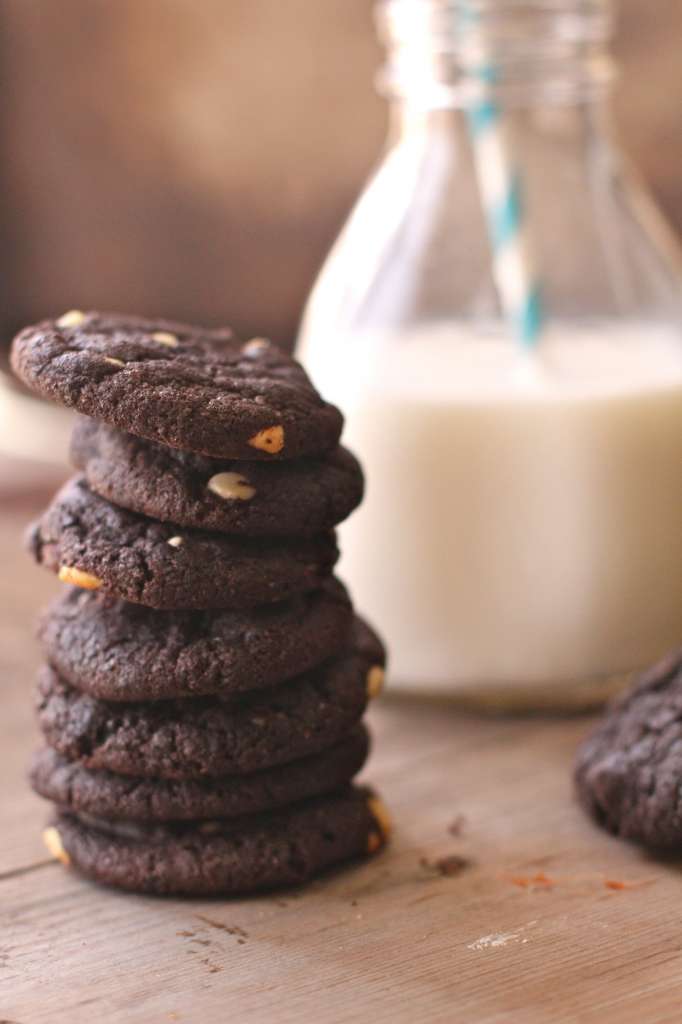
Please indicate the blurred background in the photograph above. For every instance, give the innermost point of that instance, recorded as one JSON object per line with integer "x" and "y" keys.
{"x": 195, "y": 158}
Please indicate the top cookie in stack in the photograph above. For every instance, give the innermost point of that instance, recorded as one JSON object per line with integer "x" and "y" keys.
{"x": 202, "y": 391}
{"x": 206, "y": 672}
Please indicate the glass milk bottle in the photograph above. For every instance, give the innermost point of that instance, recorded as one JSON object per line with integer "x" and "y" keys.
{"x": 500, "y": 323}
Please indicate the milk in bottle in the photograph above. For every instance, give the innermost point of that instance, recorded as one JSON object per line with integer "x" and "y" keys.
{"x": 521, "y": 540}
{"x": 523, "y": 521}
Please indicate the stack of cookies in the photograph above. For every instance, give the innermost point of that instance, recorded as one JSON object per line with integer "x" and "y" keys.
{"x": 206, "y": 675}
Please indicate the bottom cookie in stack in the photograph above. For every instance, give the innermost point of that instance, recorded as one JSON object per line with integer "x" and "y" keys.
{"x": 207, "y": 795}
{"x": 223, "y": 856}
{"x": 219, "y": 836}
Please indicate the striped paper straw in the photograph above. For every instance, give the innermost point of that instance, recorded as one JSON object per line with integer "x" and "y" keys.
{"x": 501, "y": 188}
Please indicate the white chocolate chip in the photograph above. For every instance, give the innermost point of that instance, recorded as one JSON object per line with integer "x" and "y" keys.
{"x": 231, "y": 485}
{"x": 255, "y": 346}
{"x": 175, "y": 542}
{"x": 165, "y": 338}
{"x": 113, "y": 362}
{"x": 375, "y": 681}
{"x": 270, "y": 439}
{"x": 53, "y": 842}
{"x": 85, "y": 580}
{"x": 73, "y": 318}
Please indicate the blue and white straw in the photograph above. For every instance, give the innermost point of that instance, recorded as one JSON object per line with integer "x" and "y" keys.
{"x": 500, "y": 185}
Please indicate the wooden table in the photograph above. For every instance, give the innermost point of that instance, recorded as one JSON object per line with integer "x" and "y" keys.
{"x": 549, "y": 920}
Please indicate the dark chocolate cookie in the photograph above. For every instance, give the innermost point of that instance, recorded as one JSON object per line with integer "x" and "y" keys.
{"x": 119, "y": 651}
{"x": 102, "y": 793}
{"x": 284, "y": 847}
{"x": 297, "y": 497}
{"x": 202, "y": 737}
{"x": 95, "y": 545}
{"x": 629, "y": 771}
{"x": 188, "y": 387}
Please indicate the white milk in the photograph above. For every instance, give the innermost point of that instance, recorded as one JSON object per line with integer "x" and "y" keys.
{"x": 523, "y": 522}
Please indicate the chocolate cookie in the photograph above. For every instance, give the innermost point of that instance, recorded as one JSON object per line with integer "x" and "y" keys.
{"x": 209, "y": 737}
{"x": 188, "y": 387}
{"x": 119, "y": 651}
{"x": 291, "y": 498}
{"x": 110, "y": 796}
{"x": 629, "y": 771}
{"x": 95, "y": 545}
{"x": 209, "y": 858}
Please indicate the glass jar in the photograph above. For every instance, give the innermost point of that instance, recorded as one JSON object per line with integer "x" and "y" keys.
{"x": 520, "y": 542}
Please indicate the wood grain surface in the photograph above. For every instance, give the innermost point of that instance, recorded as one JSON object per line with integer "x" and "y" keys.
{"x": 496, "y": 902}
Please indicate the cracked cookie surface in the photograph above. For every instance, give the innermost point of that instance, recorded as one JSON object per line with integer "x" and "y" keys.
{"x": 119, "y": 651}
{"x": 97, "y": 545}
{"x": 289, "y": 498}
{"x": 81, "y": 790}
{"x": 283, "y": 847}
{"x": 201, "y": 737}
{"x": 628, "y": 772}
{"x": 188, "y": 387}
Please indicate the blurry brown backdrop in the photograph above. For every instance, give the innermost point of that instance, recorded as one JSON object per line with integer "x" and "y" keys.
{"x": 194, "y": 158}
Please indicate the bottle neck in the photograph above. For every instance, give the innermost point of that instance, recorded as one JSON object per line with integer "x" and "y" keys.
{"x": 445, "y": 54}
{"x": 537, "y": 72}
{"x": 585, "y": 123}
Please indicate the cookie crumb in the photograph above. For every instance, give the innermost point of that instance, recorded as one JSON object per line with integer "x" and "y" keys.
{"x": 623, "y": 886}
{"x": 448, "y": 867}
{"x": 452, "y": 865}
{"x": 537, "y": 881}
{"x": 231, "y": 929}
